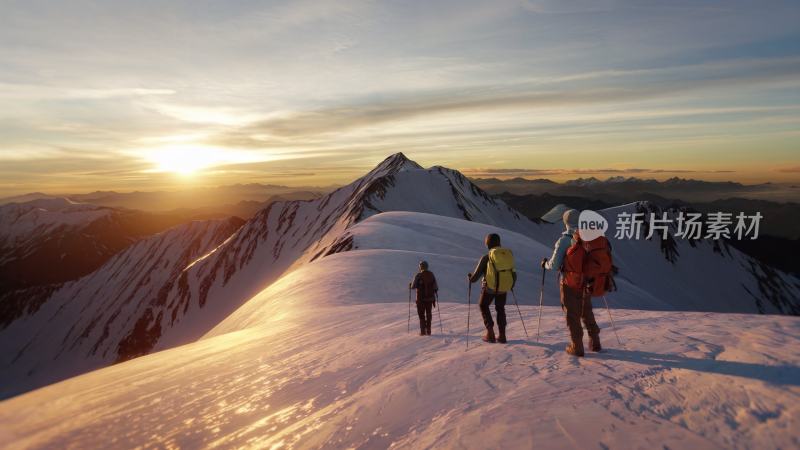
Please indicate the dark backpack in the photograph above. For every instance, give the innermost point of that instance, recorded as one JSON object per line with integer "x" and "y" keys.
{"x": 426, "y": 286}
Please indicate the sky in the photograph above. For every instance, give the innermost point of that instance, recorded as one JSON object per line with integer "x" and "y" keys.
{"x": 146, "y": 95}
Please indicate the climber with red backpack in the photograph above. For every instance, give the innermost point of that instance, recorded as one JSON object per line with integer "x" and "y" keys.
{"x": 425, "y": 284}
{"x": 586, "y": 272}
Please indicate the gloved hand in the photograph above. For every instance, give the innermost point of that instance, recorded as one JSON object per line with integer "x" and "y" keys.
{"x": 544, "y": 263}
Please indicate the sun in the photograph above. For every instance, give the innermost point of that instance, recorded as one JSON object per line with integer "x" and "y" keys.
{"x": 191, "y": 161}
{"x": 186, "y": 161}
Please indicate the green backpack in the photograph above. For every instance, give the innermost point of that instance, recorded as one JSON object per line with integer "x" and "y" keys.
{"x": 500, "y": 270}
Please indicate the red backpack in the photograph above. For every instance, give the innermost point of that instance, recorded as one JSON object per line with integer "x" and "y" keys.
{"x": 588, "y": 265}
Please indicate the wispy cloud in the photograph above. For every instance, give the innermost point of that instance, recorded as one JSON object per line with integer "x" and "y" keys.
{"x": 23, "y": 91}
{"x": 335, "y": 86}
{"x": 489, "y": 99}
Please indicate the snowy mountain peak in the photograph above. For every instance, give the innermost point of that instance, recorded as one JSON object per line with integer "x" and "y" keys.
{"x": 393, "y": 164}
{"x": 54, "y": 203}
{"x": 591, "y": 181}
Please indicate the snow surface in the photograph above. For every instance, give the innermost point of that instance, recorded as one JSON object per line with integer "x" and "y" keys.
{"x": 556, "y": 213}
{"x": 321, "y": 359}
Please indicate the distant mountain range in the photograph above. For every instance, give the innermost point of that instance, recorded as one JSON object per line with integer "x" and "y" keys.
{"x": 237, "y": 199}
{"x": 616, "y": 190}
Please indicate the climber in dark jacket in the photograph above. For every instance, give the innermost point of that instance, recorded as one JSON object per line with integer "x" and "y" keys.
{"x": 426, "y": 287}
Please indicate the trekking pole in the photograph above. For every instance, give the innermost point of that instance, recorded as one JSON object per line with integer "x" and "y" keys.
{"x": 520, "y": 314}
{"x": 541, "y": 302}
{"x": 409, "y": 311}
{"x": 612, "y": 320}
{"x": 439, "y": 310}
{"x": 469, "y": 304}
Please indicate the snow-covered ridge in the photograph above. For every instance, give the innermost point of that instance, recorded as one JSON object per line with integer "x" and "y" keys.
{"x": 48, "y": 241}
{"x": 102, "y": 318}
{"x": 21, "y": 223}
{"x": 388, "y": 246}
{"x": 286, "y": 235}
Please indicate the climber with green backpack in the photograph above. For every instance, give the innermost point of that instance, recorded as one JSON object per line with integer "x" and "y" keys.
{"x": 499, "y": 277}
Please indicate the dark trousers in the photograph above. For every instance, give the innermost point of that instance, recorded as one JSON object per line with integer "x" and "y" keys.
{"x": 578, "y": 305}
{"x": 425, "y": 312}
{"x": 499, "y": 300}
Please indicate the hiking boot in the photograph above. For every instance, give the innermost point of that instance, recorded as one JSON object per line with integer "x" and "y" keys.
{"x": 575, "y": 350}
{"x": 594, "y": 342}
{"x": 489, "y": 336}
{"x": 501, "y": 338}
{"x": 428, "y": 331}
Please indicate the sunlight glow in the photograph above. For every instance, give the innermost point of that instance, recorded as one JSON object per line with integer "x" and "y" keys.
{"x": 188, "y": 160}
